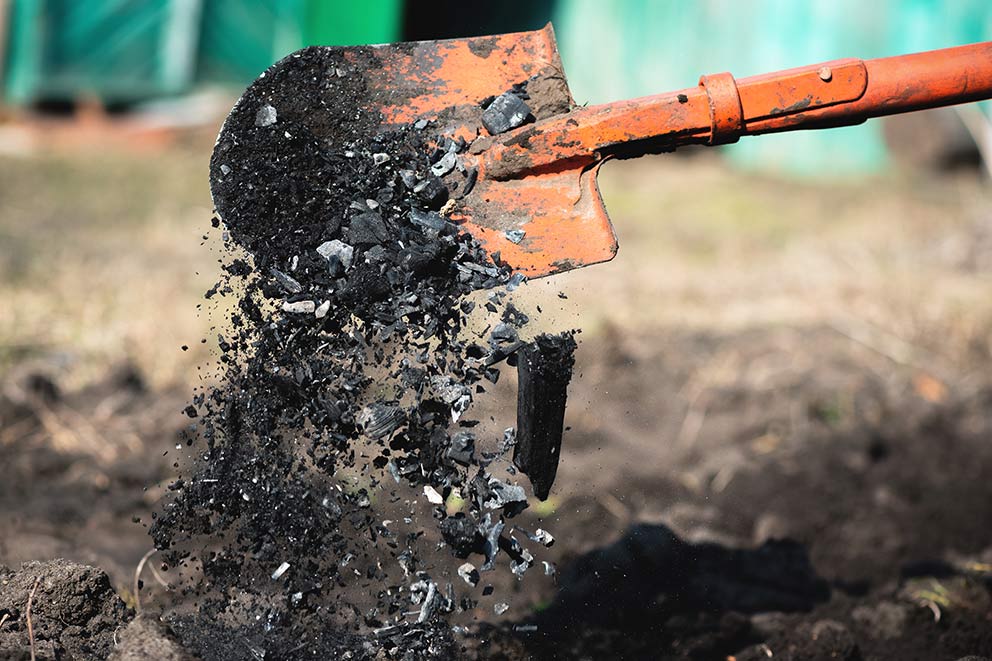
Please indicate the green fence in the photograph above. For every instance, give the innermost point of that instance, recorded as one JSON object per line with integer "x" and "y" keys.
{"x": 128, "y": 50}
{"x": 628, "y": 48}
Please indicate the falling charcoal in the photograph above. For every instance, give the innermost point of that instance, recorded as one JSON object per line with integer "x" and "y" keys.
{"x": 342, "y": 429}
{"x": 544, "y": 370}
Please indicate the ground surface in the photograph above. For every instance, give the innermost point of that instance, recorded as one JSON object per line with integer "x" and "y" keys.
{"x": 765, "y": 359}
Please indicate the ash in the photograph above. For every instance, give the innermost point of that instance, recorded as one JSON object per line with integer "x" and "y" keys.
{"x": 322, "y": 465}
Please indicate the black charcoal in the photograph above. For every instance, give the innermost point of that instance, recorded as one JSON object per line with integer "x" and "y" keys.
{"x": 266, "y": 116}
{"x": 432, "y": 192}
{"x": 462, "y": 535}
{"x": 503, "y": 334}
{"x": 462, "y": 447}
{"x": 515, "y": 236}
{"x": 336, "y": 430}
{"x": 286, "y": 282}
{"x": 444, "y": 165}
{"x": 338, "y": 250}
{"x": 469, "y": 573}
{"x": 429, "y": 219}
{"x": 508, "y": 497}
{"x": 380, "y": 420}
{"x": 506, "y": 112}
{"x": 367, "y": 229}
{"x": 471, "y": 177}
{"x": 540, "y": 536}
{"x": 544, "y": 371}
{"x": 409, "y": 178}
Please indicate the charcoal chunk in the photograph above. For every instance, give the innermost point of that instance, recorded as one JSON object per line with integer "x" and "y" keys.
{"x": 431, "y": 192}
{"x": 508, "y": 497}
{"x": 428, "y": 220}
{"x": 506, "y": 112}
{"x": 515, "y": 236}
{"x": 339, "y": 250}
{"x": 368, "y": 228}
{"x": 444, "y": 165}
{"x": 381, "y": 420}
{"x": 462, "y": 535}
{"x": 287, "y": 282}
{"x": 462, "y": 447}
{"x": 544, "y": 370}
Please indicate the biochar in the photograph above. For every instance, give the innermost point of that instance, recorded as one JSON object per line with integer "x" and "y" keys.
{"x": 341, "y": 422}
{"x": 544, "y": 369}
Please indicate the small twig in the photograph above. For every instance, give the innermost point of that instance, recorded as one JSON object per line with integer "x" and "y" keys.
{"x": 692, "y": 423}
{"x": 697, "y": 392}
{"x": 614, "y": 506}
{"x": 978, "y": 125}
{"x": 28, "y": 616}
{"x": 3, "y": 619}
{"x": 881, "y": 342}
{"x": 137, "y": 579}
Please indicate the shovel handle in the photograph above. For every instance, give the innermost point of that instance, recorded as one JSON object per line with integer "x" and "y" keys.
{"x": 847, "y": 92}
{"x": 722, "y": 109}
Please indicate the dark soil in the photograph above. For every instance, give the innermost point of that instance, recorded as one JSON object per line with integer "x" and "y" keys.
{"x": 75, "y": 612}
{"x": 888, "y": 501}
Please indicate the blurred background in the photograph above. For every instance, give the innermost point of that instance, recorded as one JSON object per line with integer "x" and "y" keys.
{"x": 795, "y": 339}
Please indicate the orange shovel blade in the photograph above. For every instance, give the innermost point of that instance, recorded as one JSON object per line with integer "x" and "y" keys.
{"x": 561, "y": 215}
{"x": 540, "y": 224}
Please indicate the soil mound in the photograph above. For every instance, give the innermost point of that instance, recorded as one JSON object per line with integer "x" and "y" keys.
{"x": 74, "y": 611}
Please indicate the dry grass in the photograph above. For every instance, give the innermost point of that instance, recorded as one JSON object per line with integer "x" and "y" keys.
{"x": 99, "y": 255}
{"x": 101, "y": 259}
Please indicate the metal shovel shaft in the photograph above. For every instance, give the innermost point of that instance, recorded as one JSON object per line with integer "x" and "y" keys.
{"x": 721, "y": 109}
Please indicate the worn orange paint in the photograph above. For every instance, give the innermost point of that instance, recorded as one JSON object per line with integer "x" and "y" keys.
{"x": 848, "y": 92}
{"x": 426, "y": 78}
{"x": 541, "y": 178}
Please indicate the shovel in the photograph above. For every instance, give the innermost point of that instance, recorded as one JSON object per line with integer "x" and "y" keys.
{"x": 526, "y": 183}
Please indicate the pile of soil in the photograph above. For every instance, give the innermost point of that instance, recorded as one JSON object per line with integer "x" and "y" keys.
{"x": 74, "y": 612}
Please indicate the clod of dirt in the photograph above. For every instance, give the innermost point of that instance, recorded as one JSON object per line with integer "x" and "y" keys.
{"x": 144, "y": 639}
{"x": 825, "y": 639}
{"x": 74, "y": 611}
{"x": 885, "y": 620}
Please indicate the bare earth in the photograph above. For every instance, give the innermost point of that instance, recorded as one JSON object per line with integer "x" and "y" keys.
{"x": 766, "y": 359}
